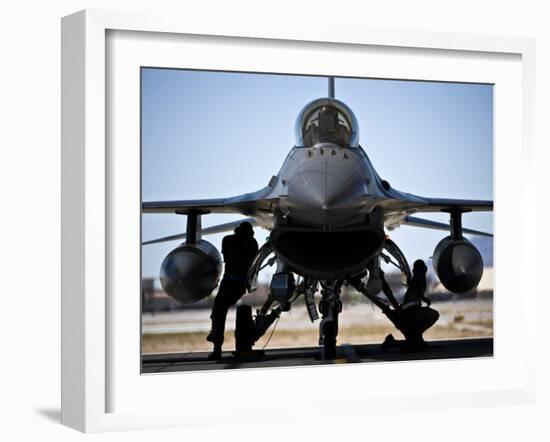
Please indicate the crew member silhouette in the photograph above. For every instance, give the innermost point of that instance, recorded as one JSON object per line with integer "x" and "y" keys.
{"x": 413, "y": 319}
{"x": 416, "y": 287}
{"x": 238, "y": 252}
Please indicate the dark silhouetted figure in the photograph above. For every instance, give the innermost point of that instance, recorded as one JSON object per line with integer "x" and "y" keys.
{"x": 238, "y": 252}
{"x": 416, "y": 287}
{"x": 413, "y": 319}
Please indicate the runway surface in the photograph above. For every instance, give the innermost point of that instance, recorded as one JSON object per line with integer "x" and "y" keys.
{"x": 346, "y": 353}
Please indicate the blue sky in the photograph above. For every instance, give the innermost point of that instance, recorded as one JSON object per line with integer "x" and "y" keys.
{"x": 218, "y": 134}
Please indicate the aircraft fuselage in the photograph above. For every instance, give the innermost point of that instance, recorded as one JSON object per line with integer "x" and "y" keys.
{"x": 329, "y": 226}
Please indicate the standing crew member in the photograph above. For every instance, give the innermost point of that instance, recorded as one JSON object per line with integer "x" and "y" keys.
{"x": 238, "y": 252}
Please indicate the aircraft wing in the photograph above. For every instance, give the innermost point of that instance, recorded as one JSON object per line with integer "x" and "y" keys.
{"x": 400, "y": 205}
{"x": 444, "y": 204}
{"x": 220, "y": 228}
{"x": 429, "y": 224}
{"x": 395, "y": 201}
{"x": 216, "y": 205}
{"x": 246, "y": 204}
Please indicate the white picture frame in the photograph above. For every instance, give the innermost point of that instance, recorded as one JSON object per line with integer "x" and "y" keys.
{"x": 89, "y": 375}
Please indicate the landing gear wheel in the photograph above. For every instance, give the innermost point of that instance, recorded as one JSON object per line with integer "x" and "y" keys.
{"x": 330, "y": 306}
{"x": 329, "y": 340}
{"x": 244, "y": 329}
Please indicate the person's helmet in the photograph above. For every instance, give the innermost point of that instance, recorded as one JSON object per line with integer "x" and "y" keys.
{"x": 245, "y": 229}
{"x": 419, "y": 266}
{"x": 326, "y": 120}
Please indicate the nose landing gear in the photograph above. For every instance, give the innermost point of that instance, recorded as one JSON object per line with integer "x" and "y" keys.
{"x": 330, "y": 307}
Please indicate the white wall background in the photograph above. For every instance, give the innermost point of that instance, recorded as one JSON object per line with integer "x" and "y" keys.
{"x": 30, "y": 214}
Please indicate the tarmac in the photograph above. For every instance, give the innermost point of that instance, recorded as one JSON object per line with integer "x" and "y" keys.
{"x": 304, "y": 356}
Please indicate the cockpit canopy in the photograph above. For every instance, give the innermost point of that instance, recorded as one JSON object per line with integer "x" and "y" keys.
{"x": 327, "y": 120}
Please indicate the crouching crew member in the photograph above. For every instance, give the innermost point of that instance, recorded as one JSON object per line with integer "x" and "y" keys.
{"x": 413, "y": 319}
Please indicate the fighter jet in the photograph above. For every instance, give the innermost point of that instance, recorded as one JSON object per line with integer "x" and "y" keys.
{"x": 328, "y": 212}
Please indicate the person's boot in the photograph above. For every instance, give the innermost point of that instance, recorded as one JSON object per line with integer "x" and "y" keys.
{"x": 388, "y": 343}
{"x": 216, "y": 354}
{"x": 211, "y": 337}
{"x": 415, "y": 343}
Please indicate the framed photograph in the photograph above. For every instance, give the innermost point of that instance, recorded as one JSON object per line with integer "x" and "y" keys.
{"x": 291, "y": 207}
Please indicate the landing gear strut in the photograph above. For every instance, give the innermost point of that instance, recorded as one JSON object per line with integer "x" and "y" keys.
{"x": 411, "y": 320}
{"x": 330, "y": 307}
{"x": 284, "y": 290}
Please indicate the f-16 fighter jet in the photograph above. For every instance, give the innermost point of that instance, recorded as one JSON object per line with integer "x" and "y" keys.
{"x": 328, "y": 212}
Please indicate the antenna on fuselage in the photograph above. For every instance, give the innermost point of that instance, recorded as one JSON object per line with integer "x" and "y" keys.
{"x": 331, "y": 87}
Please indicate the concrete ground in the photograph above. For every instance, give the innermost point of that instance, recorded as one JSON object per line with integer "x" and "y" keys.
{"x": 346, "y": 353}
{"x": 361, "y": 323}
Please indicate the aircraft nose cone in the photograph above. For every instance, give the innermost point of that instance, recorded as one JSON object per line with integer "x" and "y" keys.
{"x": 325, "y": 192}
